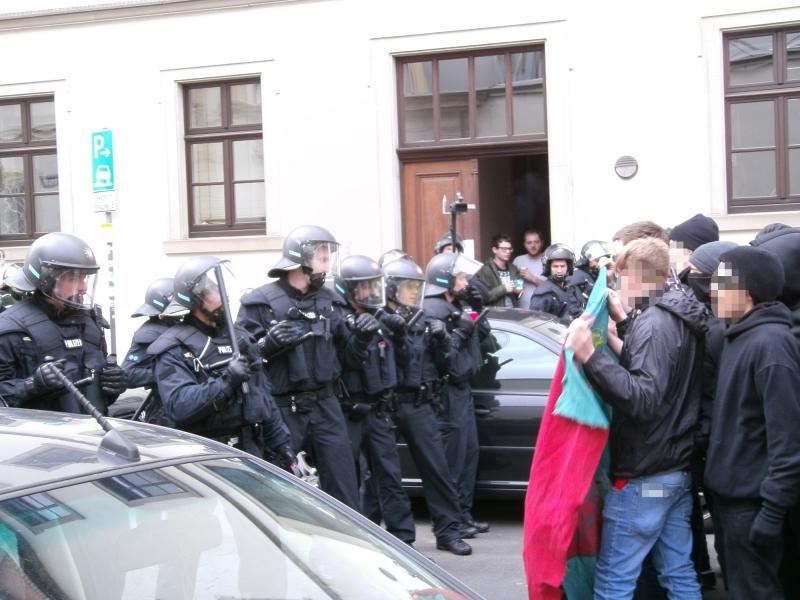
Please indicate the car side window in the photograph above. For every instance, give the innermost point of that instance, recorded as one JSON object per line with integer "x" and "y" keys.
{"x": 514, "y": 362}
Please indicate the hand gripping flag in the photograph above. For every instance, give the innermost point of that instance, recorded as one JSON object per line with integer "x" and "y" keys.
{"x": 569, "y": 475}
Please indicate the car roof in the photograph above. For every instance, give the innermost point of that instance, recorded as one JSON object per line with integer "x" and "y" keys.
{"x": 40, "y": 448}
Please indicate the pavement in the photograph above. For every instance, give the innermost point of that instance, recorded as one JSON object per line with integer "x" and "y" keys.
{"x": 494, "y": 570}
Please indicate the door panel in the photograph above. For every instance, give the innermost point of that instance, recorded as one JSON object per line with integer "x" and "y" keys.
{"x": 424, "y": 184}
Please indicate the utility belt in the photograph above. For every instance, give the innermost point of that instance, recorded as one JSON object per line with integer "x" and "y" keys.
{"x": 303, "y": 402}
{"x": 358, "y": 406}
{"x": 424, "y": 394}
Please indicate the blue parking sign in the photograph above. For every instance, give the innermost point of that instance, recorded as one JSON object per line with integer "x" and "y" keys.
{"x": 102, "y": 161}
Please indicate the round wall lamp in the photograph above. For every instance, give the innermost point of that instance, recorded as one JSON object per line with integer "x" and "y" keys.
{"x": 626, "y": 167}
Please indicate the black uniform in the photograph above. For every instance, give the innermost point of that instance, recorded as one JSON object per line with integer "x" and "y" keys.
{"x": 566, "y": 302}
{"x": 203, "y": 401}
{"x": 583, "y": 281}
{"x": 140, "y": 367}
{"x": 459, "y": 428}
{"x": 367, "y": 403}
{"x": 302, "y": 377}
{"x": 32, "y": 330}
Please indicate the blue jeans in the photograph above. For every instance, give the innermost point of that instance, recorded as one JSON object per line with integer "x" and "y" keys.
{"x": 649, "y": 513}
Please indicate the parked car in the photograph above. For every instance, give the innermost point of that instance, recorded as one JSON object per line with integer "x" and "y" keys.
{"x": 186, "y": 518}
{"x": 510, "y": 393}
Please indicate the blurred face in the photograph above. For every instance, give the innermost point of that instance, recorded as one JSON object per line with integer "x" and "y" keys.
{"x": 461, "y": 282}
{"x": 363, "y": 291}
{"x": 321, "y": 260}
{"x": 212, "y": 300}
{"x": 636, "y": 287}
{"x": 533, "y": 244}
{"x": 678, "y": 256}
{"x": 558, "y": 267}
{"x": 729, "y": 299}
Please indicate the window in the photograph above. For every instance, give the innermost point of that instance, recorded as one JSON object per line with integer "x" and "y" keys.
{"x": 762, "y": 98}
{"x": 225, "y": 158}
{"x": 487, "y": 96}
{"x": 29, "y": 204}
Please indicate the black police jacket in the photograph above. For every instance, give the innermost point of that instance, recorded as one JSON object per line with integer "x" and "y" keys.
{"x": 378, "y": 371}
{"x": 583, "y": 281}
{"x": 138, "y": 364}
{"x": 754, "y": 449}
{"x": 203, "y": 401}
{"x": 313, "y": 363}
{"x": 656, "y": 387}
{"x": 423, "y": 360}
{"x": 464, "y": 357}
{"x": 32, "y": 330}
{"x": 565, "y": 303}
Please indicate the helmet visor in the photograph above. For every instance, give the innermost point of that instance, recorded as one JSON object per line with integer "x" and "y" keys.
{"x": 410, "y": 292}
{"x": 466, "y": 265}
{"x": 75, "y": 287}
{"x": 207, "y": 289}
{"x": 367, "y": 292}
{"x": 321, "y": 257}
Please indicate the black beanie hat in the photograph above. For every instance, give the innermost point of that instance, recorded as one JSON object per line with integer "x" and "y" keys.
{"x": 760, "y": 272}
{"x": 695, "y": 232}
{"x": 705, "y": 258}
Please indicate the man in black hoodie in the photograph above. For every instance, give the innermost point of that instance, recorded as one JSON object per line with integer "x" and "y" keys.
{"x": 655, "y": 393}
{"x": 753, "y": 462}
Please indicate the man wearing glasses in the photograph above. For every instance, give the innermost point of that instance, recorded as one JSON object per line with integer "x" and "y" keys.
{"x": 500, "y": 275}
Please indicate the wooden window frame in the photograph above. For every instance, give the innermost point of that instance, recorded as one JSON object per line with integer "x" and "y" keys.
{"x": 226, "y": 133}
{"x": 472, "y": 140}
{"x": 27, "y": 149}
{"x": 780, "y": 90}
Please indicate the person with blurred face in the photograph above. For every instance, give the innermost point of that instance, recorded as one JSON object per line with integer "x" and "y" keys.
{"x": 685, "y": 238}
{"x": 753, "y": 461}
{"x": 655, "y": 393}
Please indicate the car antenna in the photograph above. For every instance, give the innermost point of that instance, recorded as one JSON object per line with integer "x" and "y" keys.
{"x": 113, "y": 441}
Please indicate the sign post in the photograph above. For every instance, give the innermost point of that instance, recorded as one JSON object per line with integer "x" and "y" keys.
{"x": 105, "y": 200}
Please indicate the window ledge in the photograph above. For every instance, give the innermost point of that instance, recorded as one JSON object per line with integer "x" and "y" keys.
{"x": 16, "y": 253}
{"x": 756, "y": 221}
{"x": 219, "y": 245}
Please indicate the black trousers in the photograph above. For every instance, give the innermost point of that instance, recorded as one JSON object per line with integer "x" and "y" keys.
{"x": 323, "y": 432}
{"x": 374, "y": 437}
{"x": 460, "y": 435}
{"x": 420, "y": 429}
{"x": 751, "y": 572}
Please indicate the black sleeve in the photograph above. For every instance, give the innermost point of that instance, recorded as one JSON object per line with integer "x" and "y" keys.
{"x": 139, "y": 366}
{"x": 16, "y": 364}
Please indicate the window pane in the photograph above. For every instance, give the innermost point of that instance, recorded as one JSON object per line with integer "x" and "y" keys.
{"x": 249, "y": 200}
{"x": 248, "y": 160}
{"x": 10, "y": 123}
{"x": 43, "y": 120}
{"x": 753, "y": 174}
{"x": 45, "y": 173}
{"x": 794, "y": 172}
{"x": 418, "y": 93}
{"x": 793, "y": 116}
{"x": 490, "y": 91}
{"x": 246, "y": 104}
{"x": 454, "y": 98}
{"x": 12, "y": 175}
{"x": 793, "y": 56}
{"x": 47, "y": 213}
{"x": 752, "y": 125}
{"x": 205, "y": 107}
{"x": 527, "y": 84}
{"x": 750, "y": 60}
{"x": 208, "y": 204}
{"x": 207, "y": 164}
{"x": 12, "y": 216}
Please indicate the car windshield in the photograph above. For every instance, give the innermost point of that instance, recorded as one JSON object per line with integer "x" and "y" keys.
{"x": 223, "y": 528}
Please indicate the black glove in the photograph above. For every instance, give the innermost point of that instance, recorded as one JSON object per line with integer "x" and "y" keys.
{"x": 394, "y": 322}
{"x": 238, "y": 370}
{"x": 113, "y": 379}
{"x": 365, "y": 326}
{"x": 465, "y": 325}
{"x": 291, "y": 461}
{"x": 45, "y": 379}
{"x": 280, "y": 335}
{"x": 438, "y": 330}
{"x": 472, "y": 296}
{"x": 767, "y": 528}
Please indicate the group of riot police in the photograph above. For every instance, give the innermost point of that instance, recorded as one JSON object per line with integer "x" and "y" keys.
{"x": 332, "y": 371}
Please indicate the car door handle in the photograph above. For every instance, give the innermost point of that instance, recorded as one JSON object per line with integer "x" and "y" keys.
{"x": 483, "y": 412}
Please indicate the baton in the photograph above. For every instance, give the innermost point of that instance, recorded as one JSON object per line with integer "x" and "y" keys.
{"x": 229, "y": 320}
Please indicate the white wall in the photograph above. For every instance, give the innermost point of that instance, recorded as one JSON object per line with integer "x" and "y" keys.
{"x": 622, "y": 78}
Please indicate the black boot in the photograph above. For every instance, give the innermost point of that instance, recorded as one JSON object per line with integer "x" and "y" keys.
{"x": 480, "y": 526}
{"x": 456, "y": 546}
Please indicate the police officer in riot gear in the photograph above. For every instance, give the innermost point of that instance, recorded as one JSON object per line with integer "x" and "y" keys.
{"x": 594, "y": 255}
{"x": 420, "y": 366}
{"x": 367, "y": 394}
{"x": 204, "y": 386}
{"x": 446, "y": 276}
{"x": 57, "y": 321}
{"x": 555, "y": 295}
{"x": 138, "y": 364}
{"x": 302, "y": 336}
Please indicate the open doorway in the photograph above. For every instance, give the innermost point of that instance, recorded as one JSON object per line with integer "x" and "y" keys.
{"x": 514, "y": 196}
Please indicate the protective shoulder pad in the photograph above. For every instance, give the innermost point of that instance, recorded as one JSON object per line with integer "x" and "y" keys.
{"x": 9, "y": 322}
{"x": 149, "y": 332}
{"x": 331, "y": 296}
{"x": 261, "y": 295}
{"x": 438, "y": 308}
{"x": 174, "y": 336}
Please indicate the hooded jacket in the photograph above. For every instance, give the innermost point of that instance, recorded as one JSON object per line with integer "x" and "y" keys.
{"x": 754, "y": 449}
{"x": 655, "y": 389}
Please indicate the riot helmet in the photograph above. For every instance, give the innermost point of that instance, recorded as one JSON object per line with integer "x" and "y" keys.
{"x": 394, "y": 254}
{"x": 594, "y": 250}
{"x": 558, "y": 252}
{"x": 405, "y": 282}
{"x": 62, "y": 267}
{"x": 360, "y": 281}
{"x": 311, "y": 247}
{"x": 156, "y": 299}
{"x": 447, "y": 240}
{"x": 196, "y": 288}
{"x": 444, "y": 270}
